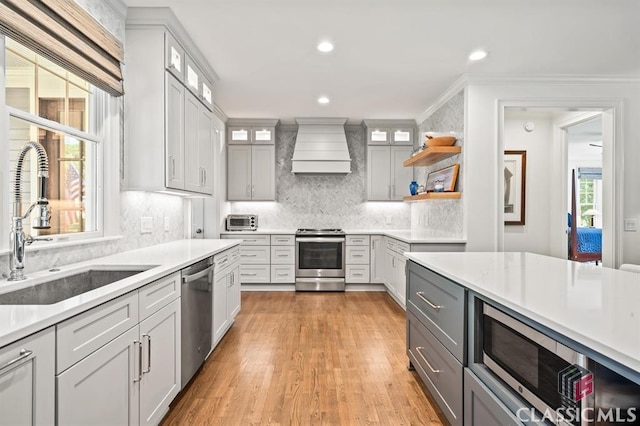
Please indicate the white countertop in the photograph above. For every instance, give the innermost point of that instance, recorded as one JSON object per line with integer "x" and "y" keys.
{"x": 405, "y": 235}
{"x": 22, "y": 320}
{"x": 592, "y": 305}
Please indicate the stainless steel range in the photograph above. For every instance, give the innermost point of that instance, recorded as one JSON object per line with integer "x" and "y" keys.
{"x": 320, "y": 259}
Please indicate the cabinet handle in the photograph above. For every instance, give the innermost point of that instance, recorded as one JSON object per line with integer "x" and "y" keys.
{"x": 357, "y": 255}
{"x": 283, "y": 241}
{"x": 253, "y": 274}
{"x": 148, "y": 370}
{"x": 253, "y": 191}
{"x": 137, "y": 345}
{"x": 248, "y": 191}
{"x": 204, "y": 176}
{"x": 394, "y": 191}
{"x": 283, "y": 255}
{"x": 357, "y": 275}
{"x": 24, "y": 353}
{"x": 389, "y": 191}
{"x": 173, "y": 166}
{"x": 249, "y": 255}
{"x": 421, "y": 296}
{"x": 283, "y": 274}
{"x": 419, "y": 350}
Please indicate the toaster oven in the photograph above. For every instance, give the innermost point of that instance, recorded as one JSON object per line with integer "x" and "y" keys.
{"x": 242, "y": 222}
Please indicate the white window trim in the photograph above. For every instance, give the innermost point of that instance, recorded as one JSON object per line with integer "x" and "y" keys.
{"x": 106, "y": 137}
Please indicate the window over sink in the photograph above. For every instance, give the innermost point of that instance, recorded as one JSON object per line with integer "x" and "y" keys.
{"x": 48, "y": 104}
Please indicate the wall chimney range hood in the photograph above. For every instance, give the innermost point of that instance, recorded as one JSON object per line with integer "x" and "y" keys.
{"x": 321, "y": 147}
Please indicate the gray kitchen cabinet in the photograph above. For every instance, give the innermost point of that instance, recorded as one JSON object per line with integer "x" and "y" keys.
{"x": 103, "y": 387}
{"x": 168, "y": 119}
{"x": 27, "y": 380}
{"x": 120, "y": 362}
{"x": 251, "y": 173}
{"x": 226, "y": 292}
{"x": 482, "y": 407}
{"x": 387, "y": 179}
{"x": 377, "y": 273}
{"x": 161, "y": 356}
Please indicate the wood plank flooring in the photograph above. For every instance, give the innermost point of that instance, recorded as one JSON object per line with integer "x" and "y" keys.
{"x": 309, "y": 358}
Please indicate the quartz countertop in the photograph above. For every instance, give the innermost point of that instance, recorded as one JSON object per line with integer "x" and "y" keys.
{"x": 18, "y": 321}
{"x": 405, "y": 235}
{"x": 595, "y": 306}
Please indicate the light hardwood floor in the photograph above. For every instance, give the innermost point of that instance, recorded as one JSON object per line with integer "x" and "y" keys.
{"x": 309, "y": 358}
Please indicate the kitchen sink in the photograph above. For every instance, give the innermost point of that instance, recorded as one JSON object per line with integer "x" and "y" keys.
{"x": 59, "y": 289}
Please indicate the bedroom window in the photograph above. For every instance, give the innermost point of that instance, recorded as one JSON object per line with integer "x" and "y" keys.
{"x": 590, "y": 202}
{"x": 47, "y": 104}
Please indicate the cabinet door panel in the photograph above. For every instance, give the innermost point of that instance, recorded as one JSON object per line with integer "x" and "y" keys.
{"x": 101, "y": 389}
{"x": 401, "y": 282}
{"x": 27, "y": 386}
{"x": 205, "y": 149}
{"x": 220, "y": 315}
{"x": 233, "y": 293}
{"x": 263, "y": 173}
{"x": 378, "y": 173}
{"x": 160, "y": 337}
{"x": 482, "y": 407}
{"x": 174, "y": 113}
{"x": 238, "y": 172}
{"x": 401, "y": 176}
{"x": 377, "y": 259}
{"x": 192, "y": 170}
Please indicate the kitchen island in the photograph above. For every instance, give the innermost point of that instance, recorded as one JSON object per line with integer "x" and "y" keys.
{"x": 584, "y": 308}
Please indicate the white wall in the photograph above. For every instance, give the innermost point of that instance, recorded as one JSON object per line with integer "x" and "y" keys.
{"x": 484, "y": 147}
{"x": 533, "y": 236}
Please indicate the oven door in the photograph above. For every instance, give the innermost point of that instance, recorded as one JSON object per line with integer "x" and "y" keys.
{"x": 320, "y": 257}
{"x": 530, "y": 362}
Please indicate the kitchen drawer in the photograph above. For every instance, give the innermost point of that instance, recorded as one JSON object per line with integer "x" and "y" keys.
{"x": 79, "y": 336}
{"x": 439, "y": 304}
{"x": 283, "y": 274}
{"x": 402, "y": 247}
{"x": 283, "y": 240}
{"x": 390, "y": 243}
{"x": 439, "y": 370}
{"x": 234, "y": 254}
{"x": 154, "y": 296}
{"x": 283, "y": 255}
{"x": 357, "y": 274}
{"x": 358, "y": 255}
{"x": 249, "y": 240}
{"x": 255, "y": 255}
{"x": 255, "y": 274}
{"x": 358, "y": 240}
{"x": 482, "y": 407}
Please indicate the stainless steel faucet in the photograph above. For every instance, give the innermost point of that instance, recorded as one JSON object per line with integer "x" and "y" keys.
{"x": 18, "y": 238}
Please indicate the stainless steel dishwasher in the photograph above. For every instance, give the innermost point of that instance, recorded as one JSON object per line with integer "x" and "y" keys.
{"x": 197, "y": 285}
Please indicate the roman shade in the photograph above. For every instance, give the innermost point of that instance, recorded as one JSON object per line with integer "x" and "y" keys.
{"x": 64, "y": 33}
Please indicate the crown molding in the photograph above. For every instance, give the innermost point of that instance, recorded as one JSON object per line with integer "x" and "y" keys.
{"x": 388, "y": 123}
{"x": 321, "y": 121}
{"x": 550, "y": 79}
{"x": 140, "y": 17}
{"x": 218, "y": 112}
{"x": 249, "y": 122}
{"x": 451, "y": 91}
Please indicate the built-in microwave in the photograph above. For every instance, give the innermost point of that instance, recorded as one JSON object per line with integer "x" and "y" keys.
{"x": 566, "y": 387}
{"x": 242, "y": 222}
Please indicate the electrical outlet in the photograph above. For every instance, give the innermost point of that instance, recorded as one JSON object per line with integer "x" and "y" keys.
{"x": 166, "y": 224}
{"x": 146, "y": 225}
{"x": 388, "y": 219}
{"x": 630, "y": 225}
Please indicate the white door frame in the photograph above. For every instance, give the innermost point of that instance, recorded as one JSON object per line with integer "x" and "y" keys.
{"x": 612, "y": 171}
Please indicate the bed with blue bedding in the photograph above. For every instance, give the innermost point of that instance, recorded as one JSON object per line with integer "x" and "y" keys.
{"x": 585, "y": 244}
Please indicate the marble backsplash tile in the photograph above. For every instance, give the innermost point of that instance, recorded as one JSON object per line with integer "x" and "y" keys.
{"x": 133, "y": 205}
{"x": 443, "y": 215}
{"x": 307, "y": 201}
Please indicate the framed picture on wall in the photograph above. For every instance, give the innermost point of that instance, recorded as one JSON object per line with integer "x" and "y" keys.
{"x": 515, "y": 173}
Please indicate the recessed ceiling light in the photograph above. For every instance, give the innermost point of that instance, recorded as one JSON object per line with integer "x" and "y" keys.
{"x": 477, "y": 55}
{"x": 323, "y": 100}
{"x": 325, "y": 46}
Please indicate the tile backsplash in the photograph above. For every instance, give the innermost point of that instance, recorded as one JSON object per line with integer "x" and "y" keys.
{"x": 306, "y": 201}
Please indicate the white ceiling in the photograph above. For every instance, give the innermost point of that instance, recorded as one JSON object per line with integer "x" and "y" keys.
{"x": 393, "y": 58}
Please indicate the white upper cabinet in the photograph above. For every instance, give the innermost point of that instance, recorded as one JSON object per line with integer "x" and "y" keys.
{"x": 378, "y": 173}
{"x": 241, "y": 131}
{"x": 168, "y": 108}
{"x": 390, "y": 132}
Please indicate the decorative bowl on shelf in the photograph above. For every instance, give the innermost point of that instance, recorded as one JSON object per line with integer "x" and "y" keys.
{"x": 440, "y": 140}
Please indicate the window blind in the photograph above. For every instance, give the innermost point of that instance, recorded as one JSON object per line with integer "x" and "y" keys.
{"x": 590, "y": 173}
{"x": 64, "y": 33}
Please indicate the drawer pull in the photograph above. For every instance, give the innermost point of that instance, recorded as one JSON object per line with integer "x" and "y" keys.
{"x": 148, "y": 370}
{"x": 253, "y": 274}
{"x": 250, "y": 241}
{"x": 24, "y": 353}
{"x": 283, "y": 255}
{"x": 428, "y": 302}
{"x": 249, "y": 255}
{"x": 284, "y": 274}
{"x": 357, "y": 241}
{"x": 357, "y": 255}
{"x": 419, "y": 350}
{"x": 283, "y": 241}
{"x": 357, "y": 275}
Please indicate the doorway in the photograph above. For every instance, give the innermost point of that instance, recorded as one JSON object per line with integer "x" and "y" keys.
{"x": 556, "y": 140}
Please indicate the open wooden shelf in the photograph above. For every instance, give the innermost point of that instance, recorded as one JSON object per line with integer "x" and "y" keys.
{"x": 433, "y": 196}
{"x": 432, "y": 155}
